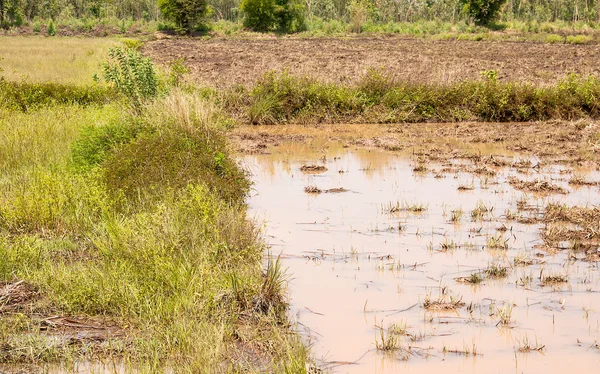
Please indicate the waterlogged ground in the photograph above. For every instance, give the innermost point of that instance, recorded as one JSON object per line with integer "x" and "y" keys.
{"x": 399, "y": 265}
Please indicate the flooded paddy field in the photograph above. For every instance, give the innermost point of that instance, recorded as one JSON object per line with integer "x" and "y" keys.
{"x": 460, "y": 265}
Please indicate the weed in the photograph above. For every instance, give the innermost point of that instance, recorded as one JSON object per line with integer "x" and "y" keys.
{"x": 553, "y": 278}
{"x": 480, "y": 212}
{"x": 497, "y": 242}
{"x": 387, "y": 342}
{"x": 456, "y": 215}
{"x": 526, "y": 346}
{"x": 131, "y": 74}
{"x": 404, "y": 206}
{"x": 442, "y": 303}
{"x": 505, "y": 314}
{"x": 496, "y": 271}
{"x": 474, "y": 278}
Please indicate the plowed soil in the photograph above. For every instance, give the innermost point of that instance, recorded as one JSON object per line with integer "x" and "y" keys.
{"x": 223, "y": 62}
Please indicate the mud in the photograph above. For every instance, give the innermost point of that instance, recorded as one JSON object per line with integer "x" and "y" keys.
{"x": 224, "y": 62}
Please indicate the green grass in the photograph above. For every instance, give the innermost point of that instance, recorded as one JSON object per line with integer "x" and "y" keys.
{"x": 138, "y": 221}
{"x": 379, "y": 98}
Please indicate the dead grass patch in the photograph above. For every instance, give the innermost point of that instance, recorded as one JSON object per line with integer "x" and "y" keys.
{"x": 537, "y": 186}
{"x": 14, "y": 295}
{"x": 313, "y": 169}
{"x": 314, "y": 190}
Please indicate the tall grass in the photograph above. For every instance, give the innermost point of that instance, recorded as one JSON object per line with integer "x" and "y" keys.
{"x": 138, "y": 220}
{"x": 379, "y": 98}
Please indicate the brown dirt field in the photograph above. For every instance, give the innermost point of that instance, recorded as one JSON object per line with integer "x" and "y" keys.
{"x": 222, "y": 62}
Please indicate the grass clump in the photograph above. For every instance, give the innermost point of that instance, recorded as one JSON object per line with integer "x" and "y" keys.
{"x": 496, "y": 271}
{"x": 405, "y": 206}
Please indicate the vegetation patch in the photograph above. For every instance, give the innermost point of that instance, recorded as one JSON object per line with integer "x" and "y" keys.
{"x": 379, "y": 98}
{"x": 537, "y": 186}
{"x": 313, "y": 169}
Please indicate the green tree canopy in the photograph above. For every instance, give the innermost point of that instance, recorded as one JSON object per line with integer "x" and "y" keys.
{"x": 482, "y": 11}
{"x": 273, "y": 15}
{"x": 185, "y": 13}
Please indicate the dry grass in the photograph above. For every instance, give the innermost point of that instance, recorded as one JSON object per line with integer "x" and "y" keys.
{"x": 59, "y": 60}
{"x": 537, "y": 186}
{"x": 313, "y": 169}
{"x": 581, "y": 225}
{"x": 314, "y": 190}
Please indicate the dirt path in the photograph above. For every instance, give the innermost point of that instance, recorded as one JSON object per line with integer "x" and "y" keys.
{"x": 223, "y": 62}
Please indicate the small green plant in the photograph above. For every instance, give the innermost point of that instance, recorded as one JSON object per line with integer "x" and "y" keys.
{"x": 388, "y": 342}
{"x": 475, "y": 278}
{"x": 456, "y": 215}
{"x": 554, "y": 38}
{"x": 37, "y": 27}
{"x": 177, "y": 71}
{"x": 51, "y": 29}
{"x": 578, "y": 39}
{"x": 496, "y": 271}
{"x": 490, "y": 75}
{"x": 134, "y": 44}
{"x": 505, "y": 314}
{"x": 131, "y": 74}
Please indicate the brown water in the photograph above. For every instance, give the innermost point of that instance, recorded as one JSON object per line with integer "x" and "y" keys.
{"x": 356, "y": 268}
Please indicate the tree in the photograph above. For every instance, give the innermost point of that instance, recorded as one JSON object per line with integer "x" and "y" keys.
{"x": 482, "y": 11}
{"x": 185, "y": 13}
{"x": 273, "y": 15}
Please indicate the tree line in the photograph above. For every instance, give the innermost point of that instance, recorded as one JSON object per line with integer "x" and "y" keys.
{"x": 289, "y": 15}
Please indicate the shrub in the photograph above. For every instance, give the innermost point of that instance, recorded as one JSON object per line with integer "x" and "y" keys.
{"x": 95, "y": 143}
{"x": 578, "y": 39}
{"x": 185, "y": 13}
{"x": 482, "y": 11}
{"x": 51, "y": 28}
{"x": 286, "y": 16}
{"x": 131, "y": 74}
{"x": 554, "y": 38}
{"x": 157, "y": 162}
{"x": 37, "y": 27}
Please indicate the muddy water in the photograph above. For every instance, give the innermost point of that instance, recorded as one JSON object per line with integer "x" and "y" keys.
{"x": 356, "y": 268}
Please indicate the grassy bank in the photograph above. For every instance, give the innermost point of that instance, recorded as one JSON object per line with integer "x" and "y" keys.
{"x": 124, "y": 238}
{"x": 379, "y": 98}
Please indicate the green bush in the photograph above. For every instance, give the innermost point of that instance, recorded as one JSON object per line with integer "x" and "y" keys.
{"x": 483, "y": 12}
{"x": 185, "y": 13}
{"x": 51, "y": 29}
{"x": 37, "y": 27}
{"x": 285, "y": 16}
{"x": 154, "y": 163}
{"x": 131, "y": 74}
{"x": 96, "y": 143}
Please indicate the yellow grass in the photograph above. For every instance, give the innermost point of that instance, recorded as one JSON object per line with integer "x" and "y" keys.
{"x": 56, "y": 59}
